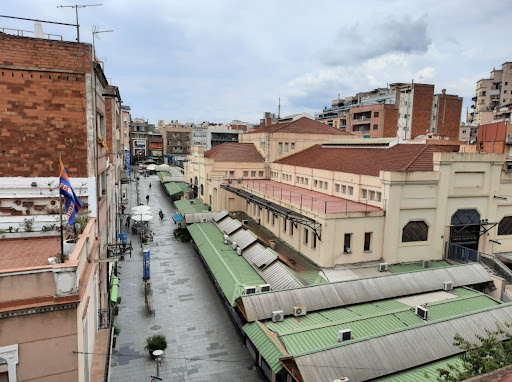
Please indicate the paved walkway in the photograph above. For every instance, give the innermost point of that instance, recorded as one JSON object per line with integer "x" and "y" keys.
{"x": 203, "y": 344}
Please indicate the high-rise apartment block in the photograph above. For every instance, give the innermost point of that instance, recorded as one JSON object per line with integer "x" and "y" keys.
{"x": 491, "y": 95}
{"x": 406, "y": 110}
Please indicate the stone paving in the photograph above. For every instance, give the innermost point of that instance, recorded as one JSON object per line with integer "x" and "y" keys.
{"x": 203, "y": 344}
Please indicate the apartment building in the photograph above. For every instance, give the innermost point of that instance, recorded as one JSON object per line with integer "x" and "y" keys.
{"x": 58, "y": 103}
{"x": 468, "y": 133}
{"x": 139, "y": 148}
{"x": 126, "y": 121}
{"x": 493, "y": 92}
{"x": 177, "y": 142}
{"x": 402, "y": 109}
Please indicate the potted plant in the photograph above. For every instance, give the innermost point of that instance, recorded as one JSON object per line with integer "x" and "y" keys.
{"x": 117, "y": 331}
{"x": 156, "y": 342}
{"x": 118, "y": 302}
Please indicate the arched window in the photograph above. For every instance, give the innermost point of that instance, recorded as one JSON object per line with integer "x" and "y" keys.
{"x": 202, "y": 189}
{"x": 415, "y": 231}
{"x": 505, "y": 226}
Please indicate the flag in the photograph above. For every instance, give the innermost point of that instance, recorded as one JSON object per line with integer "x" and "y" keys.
{"x": 72, "y": 204}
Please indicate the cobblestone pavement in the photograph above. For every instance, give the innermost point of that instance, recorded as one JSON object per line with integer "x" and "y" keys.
{"x": 203, "y": 344}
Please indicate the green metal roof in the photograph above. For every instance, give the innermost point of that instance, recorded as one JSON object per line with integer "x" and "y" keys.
{"x": 115, "y": 287}
{"x": 319, "y": 330}
{"x": 185, "y": 207}
{"x": 231, "y": 271}
{"x": 267, "y": 344}
{"x": 417, "y": 266}
{"x": 176, "y": 188}
{"x": 424, "y": 373}
{"x": 161, "y": 174}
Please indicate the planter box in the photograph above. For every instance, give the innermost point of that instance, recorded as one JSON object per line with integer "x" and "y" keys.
{"x": 16, "y": 213}
{"x": 39, "y": 207}
{"x": 27, "y": 204}
{"x": 5, "y": 209}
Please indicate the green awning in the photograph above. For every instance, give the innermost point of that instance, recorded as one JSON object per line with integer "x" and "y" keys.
{"x": 176, "y": 188}
{"x": 192, "y": 206}
{"x": 113, "y": 291}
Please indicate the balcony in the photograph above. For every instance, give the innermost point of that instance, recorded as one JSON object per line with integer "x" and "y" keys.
{"x": 361, "y": 120}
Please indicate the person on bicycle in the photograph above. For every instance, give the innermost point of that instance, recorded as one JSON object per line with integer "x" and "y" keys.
{"x": 161, "y": 214}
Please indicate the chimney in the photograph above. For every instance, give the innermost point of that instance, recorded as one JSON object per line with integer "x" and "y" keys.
{"x": 268, "y": 121}
{"x": 443, "y": 91}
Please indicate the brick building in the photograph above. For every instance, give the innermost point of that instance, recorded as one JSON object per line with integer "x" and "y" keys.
{"x": 402, "y": 109}
{"x": 56, "y": 101}
{"x": 176, "y": 142}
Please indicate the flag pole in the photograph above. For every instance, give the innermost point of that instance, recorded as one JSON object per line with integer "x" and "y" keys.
{"x": 60, "y": 209}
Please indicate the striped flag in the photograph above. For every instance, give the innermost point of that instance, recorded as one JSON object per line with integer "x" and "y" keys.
{"x": 72, "y": 203}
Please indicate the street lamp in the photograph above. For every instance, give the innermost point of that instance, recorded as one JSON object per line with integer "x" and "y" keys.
{"x": 157, "y": 354}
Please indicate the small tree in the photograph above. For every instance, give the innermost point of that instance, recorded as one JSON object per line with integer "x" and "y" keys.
{"x": 28, "y": 224}
{"x": 491, "y": 354}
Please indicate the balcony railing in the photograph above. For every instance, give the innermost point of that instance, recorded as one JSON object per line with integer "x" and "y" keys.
{"x": 361, "y": 119}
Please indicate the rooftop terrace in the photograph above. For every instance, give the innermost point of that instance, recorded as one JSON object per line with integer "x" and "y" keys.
{"x": 27, "y": 252}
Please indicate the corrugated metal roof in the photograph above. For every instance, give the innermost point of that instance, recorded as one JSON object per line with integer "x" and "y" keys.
{"x": 228, "y": 225}
{"x": 278, "y": 276}
{"x": 220, "y": 215}
{"x": 267, "y": 344}
{"x": 394, "y": 352}
{"x": 319, "y": 297}
{"x": 423, "y": 373}
{"x": 426, "y": 298}
{"x": 176, "y": 188}
{"x": 231, "y": 271}
{"x": 338, "y": 274}
{"x": 243, "y": 238}
{"x": 417, "y": 266}
{"x": 186, "y": 206}
{"x": 198, "y": 217}
{"x": 259, "y": 256}
{"x": 167, "y": 179}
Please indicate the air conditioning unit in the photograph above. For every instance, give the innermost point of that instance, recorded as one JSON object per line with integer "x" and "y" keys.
{"x": 425, "y": 263}
{"x": 277, "y": 316}
{"x": 191, "y": 201}
{"x": 204, "y": 220}
{"x": 264, "y": 288}
{"x": 250, "y": 290}
{"x": 383, "y": 267}
{"x": 299, "y": 310}
{"x": 226, "y": 239}
{"x": 245, "y": 221}
{"x": 447, "y": 286}
{"x": 422, "y": 312}
{"x": 344, "y": 335}
{"x": 258, "y": 220}
{"x": 239, "y": 251}
{"x": 234, "y": 245}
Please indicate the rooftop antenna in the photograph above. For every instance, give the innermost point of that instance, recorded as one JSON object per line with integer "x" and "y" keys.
{"x": 279, "y": 109}
{"x": 420, "y": 78}
{"x": 95, "y": 31}
{"x": 76, "y": 10}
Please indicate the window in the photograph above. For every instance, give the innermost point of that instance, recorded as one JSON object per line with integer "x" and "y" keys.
{"x": 285, "y": 223}
{"x": 337, "y": 187}
{"x": 168, "y": 142}
{"x": 306, "y": 236}
{"x": 378, "y": 196}
{"x": 376, "y": 114}
{"x": 367, "y": 240}
{"x": 292, "y": 145}
{"x": 505, "y": 226}
{"x": 343, "y": 189}
{"x": 346, "y": 243}
{"x": 253, "y": 174}
{"x": 506, "y": 83}
{"x": 246, "y": 174}
{"x": 268, "y": 216}
{"x": 415, "y": 231}
{"x": 273, "y": 219}
{"x": 210, "y": 200}
{"x": 260, "y": 173}
{"x": 316, "y": 183}
{"x": 326, "y": 185}
{"x": 306, "y": 181}
{"x": 464, "y": 131}
{"x": 372, "y": 195}
{"x": 350, "y": 190}
{"x": 301, "y": 180}
{"x": 202, "y": 189}
{"x": 364, "y": 193}
{"x": 231, "y": 173}
{"x": 280, "y": 148}
{"x": 504, "y": 92}
{"x": 375, "y": 127}
{"x": 291, "y": 228}
{"x": 314, "y": 241}
{"x": 286, "y": 147}
{"x": 247, "y": 205}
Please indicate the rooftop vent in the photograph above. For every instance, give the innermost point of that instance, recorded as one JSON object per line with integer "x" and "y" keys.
{"x": 250, "y": 290}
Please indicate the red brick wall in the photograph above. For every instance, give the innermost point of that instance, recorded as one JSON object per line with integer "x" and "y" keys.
{"x": 448, "y": 118}
{"x": 43, "y": 112}
{"x": 491, "y": 137}
{"x": 422, "y": 109}
{"x": 37, "y": 53}
{"x": 108, "y": 121}
{"x": 390, "y": 121}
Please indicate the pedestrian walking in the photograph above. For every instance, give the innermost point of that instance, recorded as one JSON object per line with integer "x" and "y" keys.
{"x": 150, "y": 186}
{"x": 128, "y": 221}
{"x": 147, "y": 199}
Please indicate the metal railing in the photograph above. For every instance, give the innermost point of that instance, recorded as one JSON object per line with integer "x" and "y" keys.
{"x": 23, "y": 33}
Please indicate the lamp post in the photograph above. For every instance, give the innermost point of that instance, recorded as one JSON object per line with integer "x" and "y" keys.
{"x": 157, "y": 354}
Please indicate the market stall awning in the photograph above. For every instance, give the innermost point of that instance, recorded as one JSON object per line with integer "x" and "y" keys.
{"x": 177, "y": 188}
{"x": 177, "y": 217}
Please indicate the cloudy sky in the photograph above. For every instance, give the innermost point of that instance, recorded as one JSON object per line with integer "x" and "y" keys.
{"x": 219, "y": 60}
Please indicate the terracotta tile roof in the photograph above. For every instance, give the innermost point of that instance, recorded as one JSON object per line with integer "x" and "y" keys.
{"x": 30, "y": 252}
{"x": 367, "y": 160}
{"x": 235, "y": 152}
{"x": 302, "y": 125}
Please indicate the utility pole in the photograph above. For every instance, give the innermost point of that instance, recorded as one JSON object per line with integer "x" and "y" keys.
{"x": 76, "y": 10}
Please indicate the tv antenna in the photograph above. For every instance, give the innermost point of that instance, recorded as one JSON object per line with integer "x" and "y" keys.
{"x": 76, "y": 6}
{"x": 95, "y": 31}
